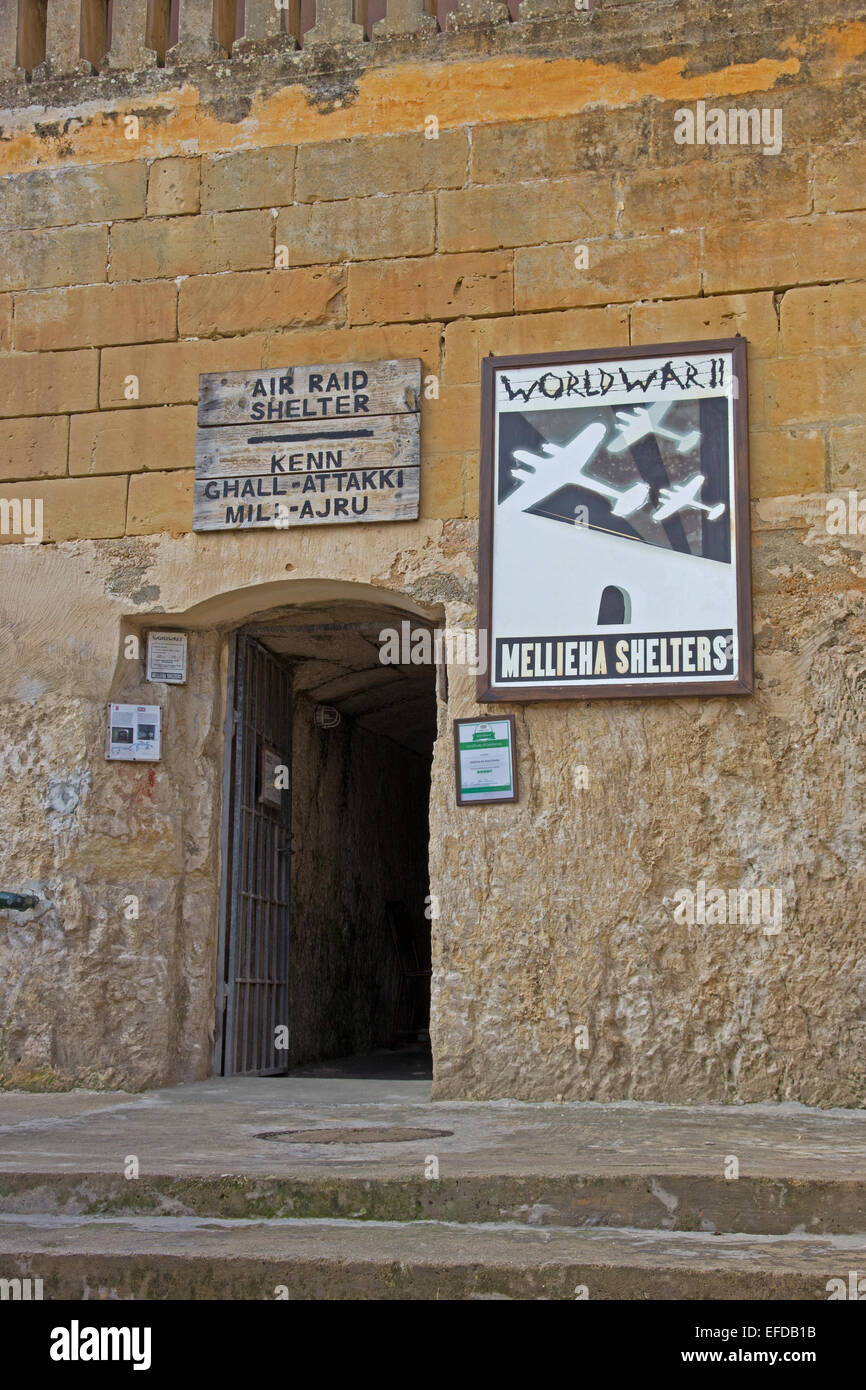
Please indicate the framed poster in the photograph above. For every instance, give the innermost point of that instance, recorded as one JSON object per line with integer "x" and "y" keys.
{"x": 484, "y": 763}
{"x": 614, "y": 523}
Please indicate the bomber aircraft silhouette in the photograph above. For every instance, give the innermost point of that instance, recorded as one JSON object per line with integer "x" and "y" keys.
{"x": 561, "y": 465}
{"x": 648, "y": 419}
{"x": 683, "y": 495}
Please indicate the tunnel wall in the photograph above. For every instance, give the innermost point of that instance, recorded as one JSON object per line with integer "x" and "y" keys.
{"x": 359, "y": 841}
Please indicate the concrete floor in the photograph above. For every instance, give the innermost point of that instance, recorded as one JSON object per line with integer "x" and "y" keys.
{"x": 213, "y": 1128}
{"x": 628, "y": 1201}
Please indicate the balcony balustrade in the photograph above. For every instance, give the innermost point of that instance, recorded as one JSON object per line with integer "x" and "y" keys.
{"x": 47, "y": 39}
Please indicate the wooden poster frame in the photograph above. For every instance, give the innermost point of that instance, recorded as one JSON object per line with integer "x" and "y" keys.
{"x": 486, "y": 689}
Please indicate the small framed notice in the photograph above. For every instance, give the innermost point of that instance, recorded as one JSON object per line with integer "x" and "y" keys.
{"x": 270, "y": 793}
{"x": 166, "y": 657}
{"x": 484, "y": 760}
{"x": 133, "y": 733}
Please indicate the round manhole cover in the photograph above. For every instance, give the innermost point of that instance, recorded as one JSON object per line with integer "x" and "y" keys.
{"x": 391, "y": 1134}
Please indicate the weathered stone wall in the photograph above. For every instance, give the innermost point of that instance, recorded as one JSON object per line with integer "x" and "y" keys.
{"x": 130, "y": 265}
{"x": 111, "y": 979}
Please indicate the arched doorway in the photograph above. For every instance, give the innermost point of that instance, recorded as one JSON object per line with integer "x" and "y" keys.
{"x": 324, "y": 945}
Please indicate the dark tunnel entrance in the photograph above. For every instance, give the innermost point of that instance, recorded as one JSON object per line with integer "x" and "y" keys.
{"x": 325, "y": 931}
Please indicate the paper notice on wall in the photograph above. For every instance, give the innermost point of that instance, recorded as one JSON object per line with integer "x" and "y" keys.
{"x": 485, "y": 761}
{"x": 133, "y": 733}
{"x": 166, "y": 657}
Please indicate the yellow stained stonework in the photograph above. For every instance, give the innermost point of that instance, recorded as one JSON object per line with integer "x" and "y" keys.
{"x": 392, "y": 101}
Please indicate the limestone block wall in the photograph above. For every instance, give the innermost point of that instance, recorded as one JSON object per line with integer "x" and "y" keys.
{"x": 426, "y": 196}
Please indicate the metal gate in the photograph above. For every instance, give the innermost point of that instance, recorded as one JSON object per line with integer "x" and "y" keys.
{"x": 254, "y": 923}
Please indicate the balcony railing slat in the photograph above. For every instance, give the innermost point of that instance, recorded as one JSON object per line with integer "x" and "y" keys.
{"x": 206, "y": 29}
{"x": 472, "y": 12}
{"x": 8, "y": 39}
{"x": 63, "y": 37}
{"x": 263, "y": 21}
{"x": 407, "y": 17}
{"x": 195, "y": 36}
{"x": 335, "y": 23}
{"x": 129, "y": 36}
{"x": 552, "y": 9}
{"x": 268, "y": 28}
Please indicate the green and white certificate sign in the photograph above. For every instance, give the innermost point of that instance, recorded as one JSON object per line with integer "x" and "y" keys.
{"x": 484, "y": 760}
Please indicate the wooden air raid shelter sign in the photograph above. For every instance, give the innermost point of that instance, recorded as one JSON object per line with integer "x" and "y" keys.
{"x": 308, "y": 446}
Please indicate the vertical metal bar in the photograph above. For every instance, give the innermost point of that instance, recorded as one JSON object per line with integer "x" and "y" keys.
{"x": 267, "y": 1056}
{"x": 251, "y": 860}
{"x": 250, "y": 850}
{"x": 243, "y": 868}
{"x": 237, "y": 822}
{"x": 262, "y": 1058}
{"x": 286, "y": 859}
{"x": 281, "y": 840}
{"x": 226, "y": 842}
{"x": 284, "y": 866}
{"x": 277, "y": 1059}
{"x": 258, "y": 905}
{"x": 261, "y": 911}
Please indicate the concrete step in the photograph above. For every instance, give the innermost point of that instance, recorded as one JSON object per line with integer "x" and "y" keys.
{"x": 668, "y": 1202}
{"x": 181, "y": 1257}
